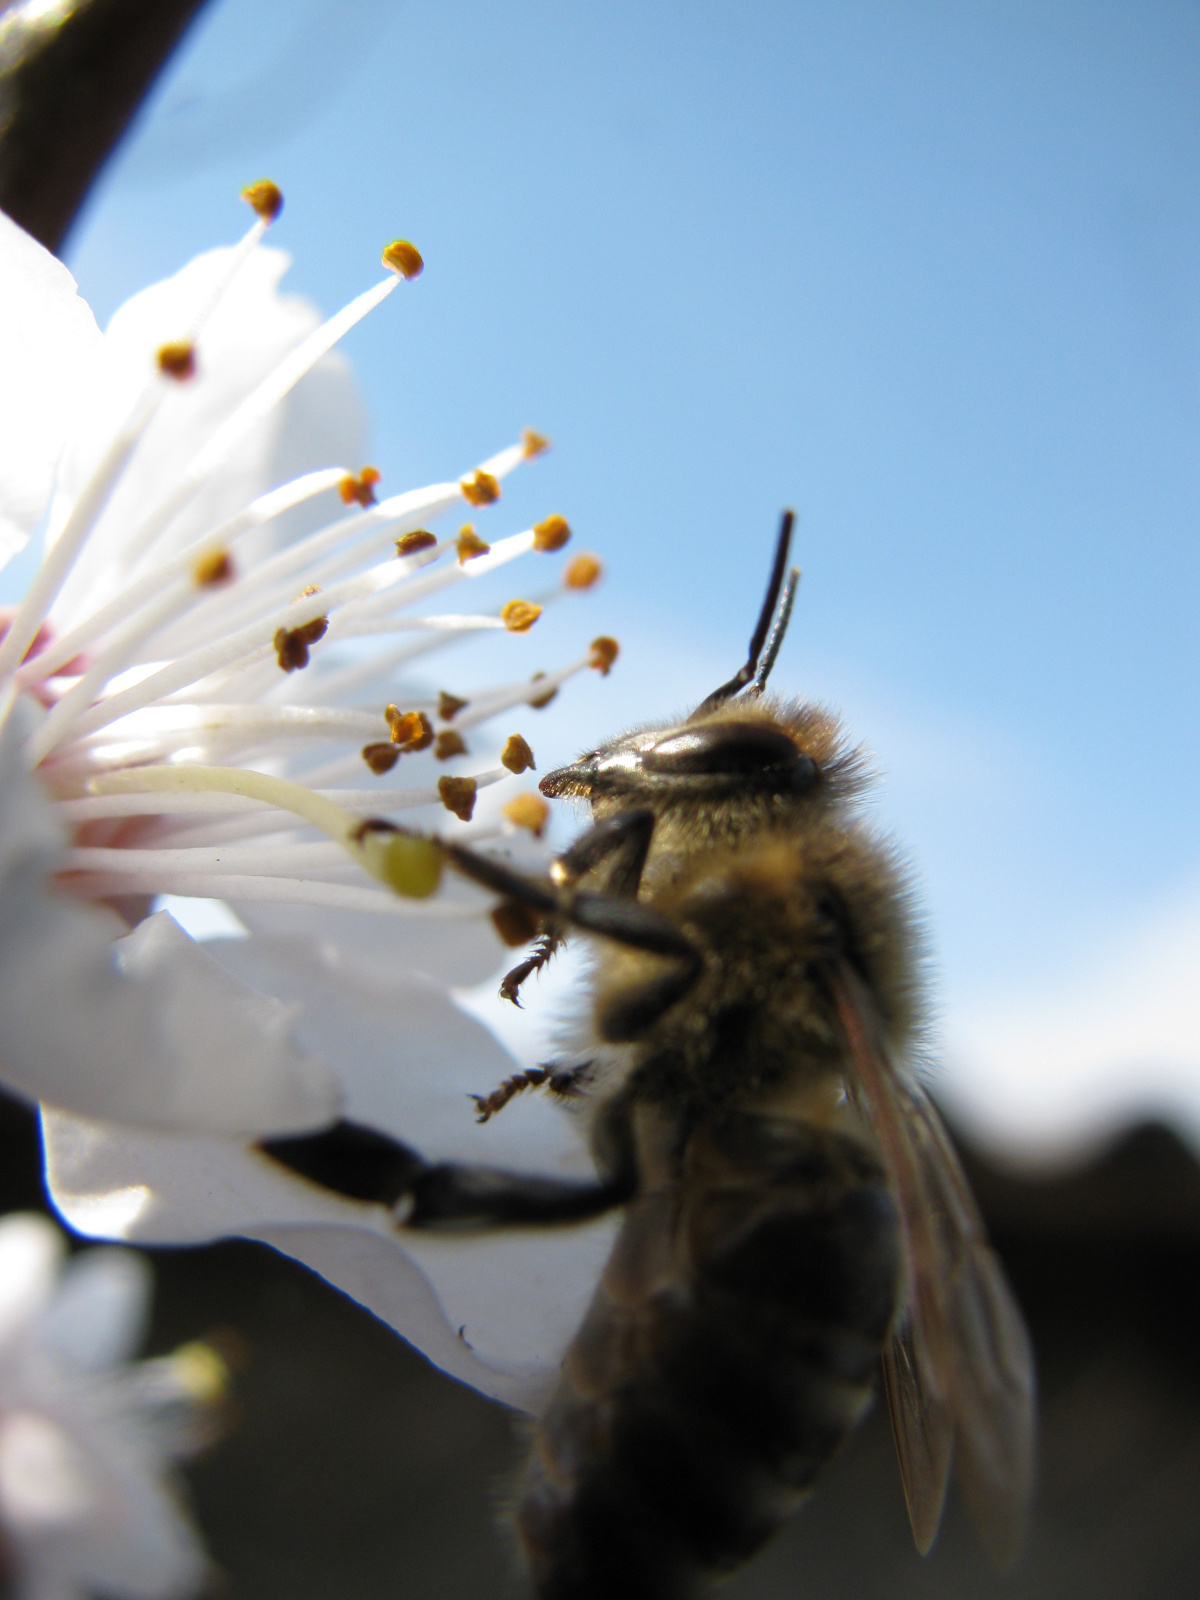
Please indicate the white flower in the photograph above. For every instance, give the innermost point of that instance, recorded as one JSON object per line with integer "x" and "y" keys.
{"x": 199, "y": 637}
{"x": 86, "y": 1501}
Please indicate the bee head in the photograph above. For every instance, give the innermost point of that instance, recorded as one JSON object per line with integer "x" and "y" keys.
{"x": 721, "y": 748}
{"x": 723, "y": 753}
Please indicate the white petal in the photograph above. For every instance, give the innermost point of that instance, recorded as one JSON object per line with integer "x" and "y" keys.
{"x": 252, "y": 329}
{"x": 48, "y": 337}
{"x": 30, "y": 1251}
{"x": 407, "y": 1058}
{"x": 148, "y": 1028}
{"x": 462, "y": 953}
{"x": 99, "y": 1311}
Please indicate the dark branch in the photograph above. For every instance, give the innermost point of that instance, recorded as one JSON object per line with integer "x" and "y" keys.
{"x": 69, "y": 87}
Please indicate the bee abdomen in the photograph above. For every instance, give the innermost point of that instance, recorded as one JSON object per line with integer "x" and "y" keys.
{"x": 731, "y": 1347}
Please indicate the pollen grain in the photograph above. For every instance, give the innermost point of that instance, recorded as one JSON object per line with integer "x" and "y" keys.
{"x": 458, "y": 796}
{"x": 480, "y": 489}
{"x": 518, "y": 616}
{"x": 404, "y": 258}
{"x": 551, "y": 534}
{"x": 264, "y": 198}
{"x": 292, "y": 644}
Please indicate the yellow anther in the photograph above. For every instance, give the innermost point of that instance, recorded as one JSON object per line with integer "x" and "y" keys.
{"x": 551, "y": 534}
{"x": 458, "y": 796}
{"x": 200, "y": 1373}
{"x": 480, "y": 489}
{"x": 292, "y": 644}
{"x": 420, "y": 539}
{"x": 518, "y": 616}
{"x": 214, "y": 569}
{"x": 360, "y": 488}
{"x": 177, "y": 360}
{"x": 602, "y": 653}
{"x": 543, "y": 699}
{"x": 534, "y": 444}
{"x": 265, "y": 199}
{"x": 403, "y": 258}
{"x": 528, "y": 811}
{"x": 448, "y": 744}
{"x": 411, "y": 730}
{"x": 583, "y": 572}
{"x": 470, "y": 544}
{"x": 449, "y": 705}
{"x": 381, "y": 757}
{"x": 516, "y": 755}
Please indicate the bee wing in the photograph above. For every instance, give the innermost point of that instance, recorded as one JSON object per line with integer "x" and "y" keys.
{"x": 924, "y": 1432}
{"x": 960, "y": 1369}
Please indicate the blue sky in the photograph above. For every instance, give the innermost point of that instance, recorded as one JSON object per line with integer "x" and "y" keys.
{"x": 927, "y": 273}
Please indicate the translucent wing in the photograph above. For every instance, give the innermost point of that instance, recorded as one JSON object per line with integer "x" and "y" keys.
{"x": 959, "y": 1372}
{"x": 924, "y": 1431}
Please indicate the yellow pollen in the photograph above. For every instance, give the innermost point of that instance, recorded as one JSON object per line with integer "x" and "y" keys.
{"x": 177, "y": 360}
{"x": 583, "y": 572}
{"x": 419, "y": 539}
{"x": 602, "y": 653}
{"x": 360, "y": 489}
{"x": 264, "y": 198}
{"x": 458, "y": 796}
{"x": 534, "y": 444}
{"x": 449, "y": 705}
{"x": 292, "y": 644}
{"x": 480, "y": 489}
{"x": 380, "y": 758}
{"x": 308, "y": 592}
{"x": 470, "y": 544}
{"x": 404, "y": 258}
{"x": 214, "y": 569}
{"x": 410, "y": 865}
{"x": 551, "y": 534}
{"x": 411, "y": 730}
{"x": 542, "y": 699}
{"x": 515, "y": 923}
{"x": 528, "y": 811}
{"x": 518, "y": 616}
{"x": 449, "y": 744}
{"x": 516, "y": 755}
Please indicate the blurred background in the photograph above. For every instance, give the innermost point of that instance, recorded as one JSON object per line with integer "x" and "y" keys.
{"x": 929, "y": 274}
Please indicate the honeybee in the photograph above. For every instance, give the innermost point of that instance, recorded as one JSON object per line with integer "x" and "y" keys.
{"x": 794, "y": 1214}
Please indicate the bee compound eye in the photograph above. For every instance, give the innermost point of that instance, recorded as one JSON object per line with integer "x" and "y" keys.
{"x": 732, "y": 749}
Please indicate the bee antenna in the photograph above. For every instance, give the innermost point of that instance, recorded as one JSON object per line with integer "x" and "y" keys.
{"x": 769, "y": 612}
{"x": 778, "y": 628}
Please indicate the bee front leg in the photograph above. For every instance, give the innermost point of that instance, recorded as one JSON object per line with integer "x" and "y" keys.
{"x": 612, "y": 916}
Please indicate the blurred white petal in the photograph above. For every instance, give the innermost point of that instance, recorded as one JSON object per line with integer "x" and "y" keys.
{"x": 30, "y": 1251}
{"x": 86, "y": 1506}
{"x": 100, "y": 1309}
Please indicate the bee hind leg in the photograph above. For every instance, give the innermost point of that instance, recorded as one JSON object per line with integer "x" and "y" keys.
{"x": 361, "y": 1163}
